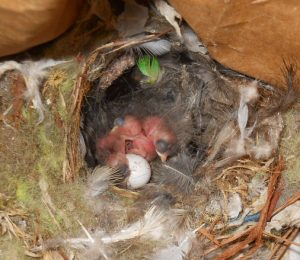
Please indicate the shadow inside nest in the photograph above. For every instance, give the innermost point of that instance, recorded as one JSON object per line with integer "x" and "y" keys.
{"x": 190, "y": 96}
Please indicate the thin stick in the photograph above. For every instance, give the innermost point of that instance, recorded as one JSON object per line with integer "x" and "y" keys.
{"x": 290, "y": 201}
{"x": 228, "y": 240}
{"x": 284, "y": 248}
{"x": 279, "y": 244}
{"x": 257, "y": 233}
{"x": 128, "y": 42}
{"x": 86, "y": 232}
{"x": 289, "y": 242}
{"x": 211, "y": 237}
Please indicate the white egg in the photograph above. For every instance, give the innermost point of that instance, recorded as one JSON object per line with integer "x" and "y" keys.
{"x": 140, "y": 171}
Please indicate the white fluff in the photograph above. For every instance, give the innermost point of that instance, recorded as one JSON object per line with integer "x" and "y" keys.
{"x": 234, "y": 205}
{"x": 92, "y": 247}
{"x": 33, "y": 73}
{"x": 100, "y": 180}
{"x": 290, "y": 217}
{"x": 178, "y": 251}
{"x": 156, "y": 224}
{"x": 192, "y": 42}
{"x": 156, "y": 48}
{"x": 258, "y": 185}
{"x": 171, "y": 252}
{"x": 249, "y": 93}
{"x": 261, "y": 152}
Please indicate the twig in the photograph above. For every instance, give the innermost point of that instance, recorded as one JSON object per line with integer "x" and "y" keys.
{"x": 211, "y": 237}
{"x": 280, "y": 249}
{"x": 257, "y": 232}
{"x": 290, "y": 201}
{"x": 86, "y": 232}
{"x": 228, "y": 240}
{"x": 51, "y": 214}
{"x": 115, "y": 70}
{"x": 125, "y": 193}
{"x": 279, "y": 244}
{"x": 289, "y": 242}
{"x": 128, "y": 42}
{"x": 72, "y": 131}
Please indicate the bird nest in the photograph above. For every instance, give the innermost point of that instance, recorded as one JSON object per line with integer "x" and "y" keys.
{"x": 211, "y": 199}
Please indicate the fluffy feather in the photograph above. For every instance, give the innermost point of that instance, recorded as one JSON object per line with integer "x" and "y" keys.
{"x": 191, "y": 41}
{"x": 155, "y": 48}
{"x": 282, "y": 100}
{"x": 82, "y": 145}
{"x": 234, "y": 205}
{"x": 178, "y": 171}
{"x": 223, "y": 137}
{"x": 101, "y": 178}
{"x": 33, "y": 72}
{"x": 90, "y": 248}
{"x": 237, "y": 146}
{"x": 261, "y": 151}
{"x": 156, "y": 224}
{"x": 178, "y": 251}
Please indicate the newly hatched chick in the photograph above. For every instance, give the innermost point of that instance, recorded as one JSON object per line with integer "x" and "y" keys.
{"x": 130, "y": 135}
{"x": 162, "y": 136}
{"x": 143, "y": 146}
{"x": 113, "y": 146}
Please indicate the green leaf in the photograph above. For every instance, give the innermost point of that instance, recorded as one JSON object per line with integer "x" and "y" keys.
{"x": 150, "y": 68}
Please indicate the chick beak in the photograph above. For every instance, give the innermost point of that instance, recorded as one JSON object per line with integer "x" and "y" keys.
{"x": 163, "y": 157}
{"x": 114, "y": 128}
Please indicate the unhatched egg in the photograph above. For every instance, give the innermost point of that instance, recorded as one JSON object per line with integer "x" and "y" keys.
{"x": 140, "y": 171}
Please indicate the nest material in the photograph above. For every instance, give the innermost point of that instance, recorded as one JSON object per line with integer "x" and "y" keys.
{"x": 185, "y": 207}
{"x": 199, "y": 105}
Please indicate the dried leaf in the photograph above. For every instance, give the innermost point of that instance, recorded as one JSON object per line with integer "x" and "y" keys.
{"x": 171, "y": 15}
{"x": 133, "y": 19}
{"x": 103, "y": 10}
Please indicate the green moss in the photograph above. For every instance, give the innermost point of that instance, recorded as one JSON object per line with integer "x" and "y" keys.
{"x": 11, "y": 249}
{"x": 289, "y": 147}
{"x": 23, "y": 192}
{"x": 61, "y": 83}
{"x": 30, "y": 116}
{"x": 52, "y": 150}
{"x": 34, "y": 151}
{"x": 64, "y": 104}
{"x": 47, "y": 223}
